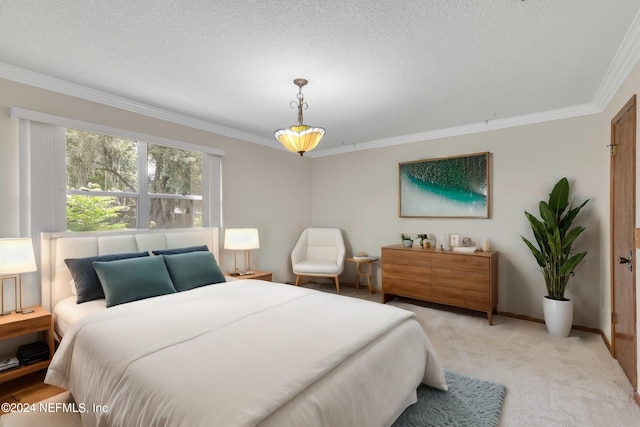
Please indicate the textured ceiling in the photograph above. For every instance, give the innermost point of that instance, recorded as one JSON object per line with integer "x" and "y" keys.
{"x": 377, "y": 70}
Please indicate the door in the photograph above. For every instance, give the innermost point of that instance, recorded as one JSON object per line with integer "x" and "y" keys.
{"x": 623, "y": 265}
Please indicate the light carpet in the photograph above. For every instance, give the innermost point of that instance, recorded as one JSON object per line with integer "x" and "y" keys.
{"x": 468, "y": 403}
{"x": 550, "y": 381}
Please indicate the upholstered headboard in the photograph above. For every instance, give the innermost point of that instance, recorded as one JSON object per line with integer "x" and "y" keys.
{"x": 56, "y": 247}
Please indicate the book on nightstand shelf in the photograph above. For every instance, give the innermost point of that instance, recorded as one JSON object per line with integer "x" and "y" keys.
{"x": 8, "y": 362}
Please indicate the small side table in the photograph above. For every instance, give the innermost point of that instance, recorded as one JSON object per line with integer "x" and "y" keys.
{"x": 256, "y": 275}
{"x": 16, "y": 324}
{"x": 367, "y": 273}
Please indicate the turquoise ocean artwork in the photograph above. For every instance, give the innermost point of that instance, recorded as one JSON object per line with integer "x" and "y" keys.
{"x": 447, "y": 187}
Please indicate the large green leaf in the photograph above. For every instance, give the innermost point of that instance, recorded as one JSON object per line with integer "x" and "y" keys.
{"x": 571, "y": 236}
{"x": 548, "y": 216}
{"x": 559, "y": 197}
{"x": 555, "y": 243}
{"x": 539, "y": 232}
{"x": 536, "y": 253}
{"x": 567, "y": 268}
{"x": 567, "y": 220}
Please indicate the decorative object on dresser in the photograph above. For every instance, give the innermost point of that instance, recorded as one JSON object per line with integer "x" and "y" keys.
{"x": 241, "y": 239}
{"x": 456, "y": 186}
{"x": 428, "y": 241}
{"x": 555, "y": 237}
{"x": 16, "y": 257}
{"x": 406, "y": 240}
{"x": 466, "y": 280}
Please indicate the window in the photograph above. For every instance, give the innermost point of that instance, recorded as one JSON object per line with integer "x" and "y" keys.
{"x": 106, "y": 188}
{"x": 82, "y": 176}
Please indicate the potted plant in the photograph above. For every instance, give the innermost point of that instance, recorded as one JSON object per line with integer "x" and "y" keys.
{"x": 555, "y": 237}
{"x": 424, "y": 241}
{"x": 407, "y": 241}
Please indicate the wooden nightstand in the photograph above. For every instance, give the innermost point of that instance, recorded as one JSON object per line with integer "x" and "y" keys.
{"x": 16, "y": 324}
{"x": 257, "y": 275}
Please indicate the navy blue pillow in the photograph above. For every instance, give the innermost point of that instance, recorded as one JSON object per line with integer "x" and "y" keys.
{"x": 88, "y": 286}
{"x": 180, "y": 250}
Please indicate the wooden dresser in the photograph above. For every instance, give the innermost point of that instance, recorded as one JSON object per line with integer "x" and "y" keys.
{"x": 461, "y": 279}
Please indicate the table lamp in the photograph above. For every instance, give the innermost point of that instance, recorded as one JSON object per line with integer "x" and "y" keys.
{"x": 16, "y": 257}
{"x": 241, "y": 239}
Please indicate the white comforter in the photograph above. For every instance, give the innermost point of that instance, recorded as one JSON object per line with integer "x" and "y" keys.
{"x": 244, "y": 353}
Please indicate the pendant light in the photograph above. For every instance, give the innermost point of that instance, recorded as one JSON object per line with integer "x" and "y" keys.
{"x": 299, "y": 138}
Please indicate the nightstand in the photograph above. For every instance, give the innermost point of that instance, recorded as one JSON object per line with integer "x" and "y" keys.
{"x": 16, "y": 324}
{"x": 256, "y": 274}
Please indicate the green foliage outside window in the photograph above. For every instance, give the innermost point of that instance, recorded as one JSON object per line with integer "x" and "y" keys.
{"x": 97, "y": 162}
{"x": 92, "y": 213}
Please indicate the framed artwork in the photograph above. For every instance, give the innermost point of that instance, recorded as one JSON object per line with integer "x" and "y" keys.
{"x": 448, "y": 187}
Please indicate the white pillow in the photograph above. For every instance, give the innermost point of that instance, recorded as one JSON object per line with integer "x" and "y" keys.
{"x": 72, "y": 284}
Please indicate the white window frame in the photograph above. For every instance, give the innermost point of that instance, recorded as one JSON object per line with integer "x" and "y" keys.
{"x": 42, "y": 157}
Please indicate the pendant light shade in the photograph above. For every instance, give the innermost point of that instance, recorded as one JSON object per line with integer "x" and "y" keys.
{"x": 299, "y": 138}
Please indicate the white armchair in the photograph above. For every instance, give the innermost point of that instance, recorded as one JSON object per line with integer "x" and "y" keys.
{"x": 319, "y": 253}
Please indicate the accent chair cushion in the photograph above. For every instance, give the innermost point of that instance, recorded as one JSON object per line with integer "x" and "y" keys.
{"x": 317, "y": 267}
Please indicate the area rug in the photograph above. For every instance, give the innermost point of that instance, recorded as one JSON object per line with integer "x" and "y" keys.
{"x": 469, "y": 402}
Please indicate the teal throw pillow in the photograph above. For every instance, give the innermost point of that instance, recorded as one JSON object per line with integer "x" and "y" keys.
{"x": 133, "y": 279}
{"x": 193, "y": 269}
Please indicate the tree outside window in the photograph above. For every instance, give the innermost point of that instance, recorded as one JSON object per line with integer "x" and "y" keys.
{"x": 103, "y": 191}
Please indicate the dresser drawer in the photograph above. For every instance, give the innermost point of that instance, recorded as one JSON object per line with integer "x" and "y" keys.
{"x": 463, "y": 289}
{"x": 458, "y": 263}
{"x": 418, "y": 258}
{"x": 419, "y": 289}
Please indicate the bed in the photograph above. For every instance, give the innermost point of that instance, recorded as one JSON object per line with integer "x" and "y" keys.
{"x": 240, "y": 353}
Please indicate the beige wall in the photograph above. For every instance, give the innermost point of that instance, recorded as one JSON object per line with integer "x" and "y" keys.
{"x": 359, "y": 193}
{"x": 262, "y": 187}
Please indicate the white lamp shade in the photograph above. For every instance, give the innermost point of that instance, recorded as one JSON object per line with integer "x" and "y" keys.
{"x": 16, "y": 256}
{"x": 241, "y": 238}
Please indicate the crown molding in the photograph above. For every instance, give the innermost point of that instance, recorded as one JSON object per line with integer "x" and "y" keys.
{"x": 32, "y": 78}
{"x": 527, "y": 119}
{"x": 624, "y": 60}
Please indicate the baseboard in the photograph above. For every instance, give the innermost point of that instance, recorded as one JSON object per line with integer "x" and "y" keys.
{"x": 577, "y": 327}
{"x": 519, "y": 316}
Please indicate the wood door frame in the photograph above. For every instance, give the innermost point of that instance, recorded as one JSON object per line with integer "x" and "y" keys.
{"x": 630, "y": 104}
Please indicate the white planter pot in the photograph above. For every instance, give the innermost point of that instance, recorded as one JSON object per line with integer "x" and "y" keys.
{"x": 558, "y": 316}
